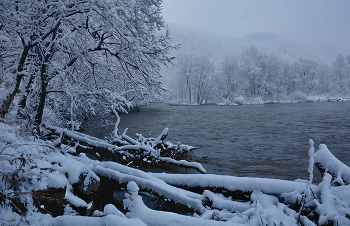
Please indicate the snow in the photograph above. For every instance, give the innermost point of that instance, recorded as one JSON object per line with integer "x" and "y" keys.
{"x": 163, "y": 134}
{"x": 245, "y": 184}
{"x": 68, "y": 166}
{"x": 221, "y": 202}
{"x": 268, "y": 202}
{"x": 109, "y": 220}
{"x": 172, "y": 193}
{"x": 308, "y": 189}
{"x": 334, "y": 166}
{"x": 74, "y": 200}
{"x": 194, "y": 165}
{"x": 137, "y": 209}
{"x": 4, "y": 38}
{"x": 311, "y": 162}
{"x": 148, "y": 147}
{"x": 111, "y": 209}
{"x": 79, "y": 136}
{"x": 56, "y": 180}
{"x": 10, "y": 218}
{"x": 306, "y": 221}
{"x": 3, "y": 93}
{"x": 330, "y": 207}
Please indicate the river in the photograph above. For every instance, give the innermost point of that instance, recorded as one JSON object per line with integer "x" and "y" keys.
{"x": 270, "y": 140}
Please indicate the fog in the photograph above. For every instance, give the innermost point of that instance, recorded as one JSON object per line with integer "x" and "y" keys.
{"x": 307, "y": 23}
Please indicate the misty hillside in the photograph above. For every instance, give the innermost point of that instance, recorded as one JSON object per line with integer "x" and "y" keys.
{"x": 217, "y": 45}
{"x": 213, "y": 68}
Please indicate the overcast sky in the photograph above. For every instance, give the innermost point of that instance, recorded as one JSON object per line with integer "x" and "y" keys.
{"x": 326, "y": 21}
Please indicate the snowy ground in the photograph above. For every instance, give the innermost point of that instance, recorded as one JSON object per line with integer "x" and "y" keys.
{"x": 28, "y": 165}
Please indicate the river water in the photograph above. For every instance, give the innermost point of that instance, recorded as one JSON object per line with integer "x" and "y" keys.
{"x": 270, "y": 140}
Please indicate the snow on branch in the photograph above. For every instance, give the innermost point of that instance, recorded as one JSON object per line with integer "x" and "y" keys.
{"x": 194, "y": 165}
{"x": 142, "y": 151}
{"x": 326, "y": 161}
{"x": 231, "y": 183}
{"x": 79, "y": 136}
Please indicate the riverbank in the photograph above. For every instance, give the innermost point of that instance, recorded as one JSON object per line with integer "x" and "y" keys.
{"x": 256, "y": 101}
{"x": 45, "y": 183}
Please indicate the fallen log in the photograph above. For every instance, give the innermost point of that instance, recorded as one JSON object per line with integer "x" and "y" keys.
{"x": 325, "y": 161}
{"x": 232, "y": 183}
{"x": 145, "y": 152}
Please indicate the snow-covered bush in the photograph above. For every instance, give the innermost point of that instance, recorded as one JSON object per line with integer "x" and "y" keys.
{"x": 240, "y": 100}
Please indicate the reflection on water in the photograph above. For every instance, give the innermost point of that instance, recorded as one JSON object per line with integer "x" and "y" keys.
{"x": 269, "y": 140}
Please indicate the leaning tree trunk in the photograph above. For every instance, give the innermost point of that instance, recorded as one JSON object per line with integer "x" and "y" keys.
{"x": 7, "y": 103}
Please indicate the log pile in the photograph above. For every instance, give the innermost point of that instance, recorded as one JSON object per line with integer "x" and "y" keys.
{"x": 141, "y": 152}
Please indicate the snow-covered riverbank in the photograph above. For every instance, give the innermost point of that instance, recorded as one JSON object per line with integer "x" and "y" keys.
{"x": 255, "y": 101}
{"x": 30, "y": 167}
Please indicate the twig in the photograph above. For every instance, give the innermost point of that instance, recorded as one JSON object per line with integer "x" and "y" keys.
{"x": 313, "y": 193}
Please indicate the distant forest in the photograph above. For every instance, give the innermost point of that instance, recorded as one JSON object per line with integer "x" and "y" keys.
{"x": 213, "y": 69}
{"x": 253, "y": 77}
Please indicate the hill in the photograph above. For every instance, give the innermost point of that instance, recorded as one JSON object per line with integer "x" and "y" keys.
{"x": 217, "y": 46}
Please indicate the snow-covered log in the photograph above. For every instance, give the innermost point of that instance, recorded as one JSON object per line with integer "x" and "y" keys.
{"x": 124, "y": 175}
{"x": 137, "y": 209}
{"x": 327, "y": 162}
{"x": 161, "y": 137}
{"x": 145, "y": 152}
{"x": 231, "y": 183}
{"x": 184, "y": 163}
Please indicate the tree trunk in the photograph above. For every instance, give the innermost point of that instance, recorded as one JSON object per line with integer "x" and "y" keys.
{"x": 7, "y": 103}
{"x": 189, "y": 90}
{"x": 40, "y": 111}
{"x": 23, "y": 102}
{"x": 44, "y": 80}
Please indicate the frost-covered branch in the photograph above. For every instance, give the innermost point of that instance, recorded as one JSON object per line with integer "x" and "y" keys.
{"x": 145, "y": 152}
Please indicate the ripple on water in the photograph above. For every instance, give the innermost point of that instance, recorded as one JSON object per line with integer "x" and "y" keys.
{"x": 257, "y": 141}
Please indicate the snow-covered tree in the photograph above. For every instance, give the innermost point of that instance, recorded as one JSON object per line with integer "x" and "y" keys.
{"x": 185, "y": 68}
{"x": 229, "y": 71}
{"x": 270, "y": 78}
{"x": 203, "y": 72}
{"x": 340, "y": 71}
{"x": 306, "y": 72}
{"x": 251, "y": 71}
{"x": 194, "y": 75}
{"x": 86, "y": 51}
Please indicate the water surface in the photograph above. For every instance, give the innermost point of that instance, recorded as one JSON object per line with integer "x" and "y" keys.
{"x": 270, "y": 140}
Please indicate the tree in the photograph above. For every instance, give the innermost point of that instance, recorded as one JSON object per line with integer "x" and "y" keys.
{"x": 195, "y": 72}
{"x": 203, "y": 71}
{"x": 281, "y": 81}
{"x": 269, "y": 80}
{"x": 116, "y": 45}
{"x": 306, "y": 72}
{"x": 186, "y": 67}
{"x": 24, "y": 23}
{"x": 251, "y": 71}
{"x": 340, "y": 74}
{"x": 324, "y": 80}
{"x": 229, "y": 70}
